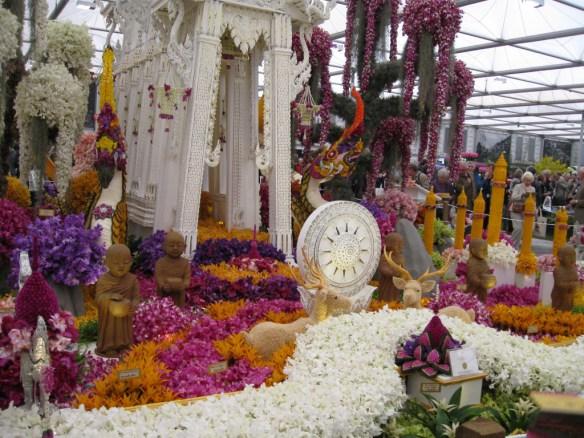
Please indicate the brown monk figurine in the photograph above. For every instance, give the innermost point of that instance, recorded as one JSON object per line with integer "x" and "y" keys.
{"x": 172, "y": 272}
{"x": 394, "y": 243}
{"x": 117, "y": 295}
{"x": 479, "y": 278}
{"x": 565, "y": 279}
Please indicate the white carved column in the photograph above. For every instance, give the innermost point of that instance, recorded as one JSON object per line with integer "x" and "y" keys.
{"x": 201, "y": 114}
{"x": 242, "y": 192}
{"x": 277, "y": 131}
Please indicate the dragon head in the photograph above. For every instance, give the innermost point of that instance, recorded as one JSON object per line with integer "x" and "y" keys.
{"x": 340, "y": 158}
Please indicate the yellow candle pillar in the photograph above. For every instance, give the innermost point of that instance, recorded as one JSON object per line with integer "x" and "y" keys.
{"x": 429, "y": 218}
{"x": 461, "y": 203}
{"x": 528, "y": 221}
{"x": 478, "y": 217}
{"x": 497, "y": 200}
{"x": 560, "y": 230}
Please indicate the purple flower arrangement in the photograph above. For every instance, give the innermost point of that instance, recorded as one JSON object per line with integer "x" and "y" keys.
{"x": 511, "y": 295}
{"x": 96, "y": 367}
{"x": 215, "y": 251}
{"x": 385, "y": 221}
{"x": 69, "y": 253}
{"x": 205, "y": 288}
{"x": 188, "y": 360}
{"x": 159, "y": 317}
{"x": 14, "y": 220}
{"x": 451, "y": 295}
{"x": 149, "y": 251}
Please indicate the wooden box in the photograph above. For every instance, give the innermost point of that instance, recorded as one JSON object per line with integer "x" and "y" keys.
{"x": 442, "y": 387}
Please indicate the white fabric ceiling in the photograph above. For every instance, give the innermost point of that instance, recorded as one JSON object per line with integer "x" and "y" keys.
{"x": 528, "y": 61}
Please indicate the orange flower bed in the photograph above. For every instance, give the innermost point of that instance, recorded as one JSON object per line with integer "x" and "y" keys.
{"x": 376, "y": 305}
{"x": 539, "y": 319}
{"x": 222, "y": 310}
{"x": 112, "y": 392}
{"x": 210, "y": 229}
{"x": 17, "y": 192}
{"x": 232, "y": 273}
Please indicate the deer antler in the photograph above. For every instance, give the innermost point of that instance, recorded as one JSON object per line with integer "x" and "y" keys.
{"x": 404, "y": 273}
{"x": 316, "y": 278}
{"x": 427, "y": 275}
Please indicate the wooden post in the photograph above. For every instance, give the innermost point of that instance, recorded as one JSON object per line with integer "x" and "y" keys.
{"x": 478, "y": 217}
{"x": 560, "y": 230}
{"x": 497, "y": 200}
{"x": 429, "y": 218}
{"x": 460, "y": 220}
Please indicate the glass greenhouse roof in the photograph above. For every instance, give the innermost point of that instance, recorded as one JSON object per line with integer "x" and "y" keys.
{"x": 527, "y": 57}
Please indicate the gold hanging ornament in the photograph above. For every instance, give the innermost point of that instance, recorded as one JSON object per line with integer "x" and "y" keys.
{"x": 306, "y": 108}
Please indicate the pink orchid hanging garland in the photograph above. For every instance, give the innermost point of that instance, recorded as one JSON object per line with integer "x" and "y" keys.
{"x": 349, "y": 29}
{"x": 373, "y": 8}
{"x": 463, "y": 86}
{"x": 394, "y": 23}
{"x": 320, "y": 50}
{"x": 441, "y": 19}
{"x": 394, "y": 131}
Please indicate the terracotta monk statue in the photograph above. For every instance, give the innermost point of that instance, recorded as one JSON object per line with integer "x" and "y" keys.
{"x": 479, "y": 278}
{"x": 172, "y": 272}
{"x": 117, "y": 295}
{"x": 565, "y": 279}
{"x": 394, "y": 244}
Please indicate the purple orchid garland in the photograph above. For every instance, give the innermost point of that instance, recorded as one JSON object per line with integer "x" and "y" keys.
{"x": 463, "y": 86}
{"x": 349, "y": 29}
{"x": 394, "y": 23}
{"x": 373, "y": 7}
{"x": 442, "y": 19}
{"x": 396, "y": 132}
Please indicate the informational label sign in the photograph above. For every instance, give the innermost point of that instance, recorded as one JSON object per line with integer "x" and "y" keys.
{"x": 132, "y": 373}
{"x": 46, "y": 212}
{"x": 463, "y": 361}
{"x": 218, "y": 367}
{"x": 430, "y": 387}
{"x": 532, "y": 329}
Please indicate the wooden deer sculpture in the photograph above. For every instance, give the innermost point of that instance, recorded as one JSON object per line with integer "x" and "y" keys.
{"x": 413, "y": 289}
{"x": 268, "y": 337}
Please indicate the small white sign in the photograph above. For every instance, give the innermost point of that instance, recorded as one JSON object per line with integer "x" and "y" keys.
{"x": 463, "y": 361}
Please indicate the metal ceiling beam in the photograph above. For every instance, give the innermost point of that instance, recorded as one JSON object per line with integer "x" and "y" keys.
{"x": 520, "y": 40}
{"x": 528, "y": 90}
{"x": 529, "y": 103}
{"x": 546, "y": 130}
{"x": 572, "y": 5}
{"x": 518, "y": 71}
{"x": 506, "y": 116}
{"x": 463, "y": 3}
{"x": 546, "y": 122}
{"x": 529, "y": 49}
{"x": 59, "y": 6}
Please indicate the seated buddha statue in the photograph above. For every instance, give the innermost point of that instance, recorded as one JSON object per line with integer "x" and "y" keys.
{"x": 172, "y": 272}
{"x": 117, "y": 295}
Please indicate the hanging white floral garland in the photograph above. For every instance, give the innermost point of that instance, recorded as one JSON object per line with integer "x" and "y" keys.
{"x": 51, "y": 93}
{"x": 9, "y": 31}
{"x": 341, "y": 382}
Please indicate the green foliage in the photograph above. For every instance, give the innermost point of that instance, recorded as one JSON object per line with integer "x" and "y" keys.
{"x": 514, "y": 412}
{"x": 437, "y": 260}
{"x": 442, "y": 232}
{"x": 578, "y": 309}
{"x": 88, "y": 331}
{"x": 548, "y": 163}
{"x": 441, "y": 419}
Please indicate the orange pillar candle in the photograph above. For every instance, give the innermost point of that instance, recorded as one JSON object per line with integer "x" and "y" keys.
{"x": 478, "y": 217}
{"x": 528, "y": 221}
{"x": 560, "y": 230}
{"x": 497, "y": 200}
{"x": 461, "y": 203}
{"x": 429, "y": 218}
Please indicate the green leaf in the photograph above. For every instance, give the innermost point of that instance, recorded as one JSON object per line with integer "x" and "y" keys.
{"x": 442, "y": 418}
{"x": 455, "y": 399}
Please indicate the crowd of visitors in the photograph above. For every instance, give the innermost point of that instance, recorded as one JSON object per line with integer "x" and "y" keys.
{"x": 551, "y": 190}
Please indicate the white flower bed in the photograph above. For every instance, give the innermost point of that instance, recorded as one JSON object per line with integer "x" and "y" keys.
{"x": 342, "y": 382}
